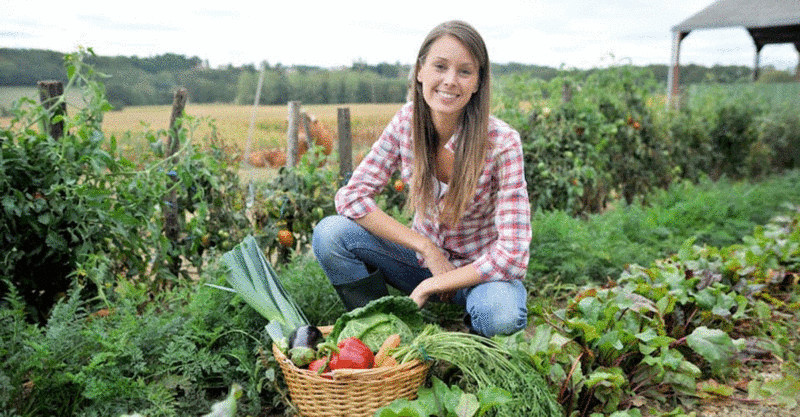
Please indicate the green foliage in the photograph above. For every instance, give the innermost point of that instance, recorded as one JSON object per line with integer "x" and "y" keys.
{"x": 295, "y": 200}
{"x": 586, "y": 137}
{"x": 322, "y": 306}
{"x": 591, "y": 137}
{"x": 482, "y": 363}
{"x": 68, "y": 198}
{"x": 446, "y": 401}
{"x": 169, "y": 355}
{"x": 658, "y": 331}
{"x": 573, "y": 250}
{"x": 73, "y": 205}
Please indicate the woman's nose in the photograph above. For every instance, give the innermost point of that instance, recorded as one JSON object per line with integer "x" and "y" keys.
{"x": 450, "y": 77}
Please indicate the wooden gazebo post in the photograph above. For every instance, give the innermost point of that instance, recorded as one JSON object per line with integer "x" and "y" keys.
{"x": 673, "y": 76}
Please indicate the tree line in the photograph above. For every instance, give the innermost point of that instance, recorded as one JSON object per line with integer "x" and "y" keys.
{"x": 152, "y": 80}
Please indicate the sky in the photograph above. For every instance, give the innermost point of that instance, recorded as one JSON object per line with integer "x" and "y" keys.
{"x": 556, "y": 33}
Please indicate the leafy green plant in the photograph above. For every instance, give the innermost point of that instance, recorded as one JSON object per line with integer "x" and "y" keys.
{"x": 446, "y": 401}
{"x": 68, "y": 198}
{"x": 656, "y": 332}
{"x": 296, "y": 199}
{"x": 254, "y": 279}
{"x": 483, "y": 363}
{"x": 169, "y": 354}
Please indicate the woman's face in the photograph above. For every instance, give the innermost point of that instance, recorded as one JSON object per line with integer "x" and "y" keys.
{"x": 449, "y": 76}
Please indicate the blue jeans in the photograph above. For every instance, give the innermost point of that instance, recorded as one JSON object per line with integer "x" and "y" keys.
{"x": 344, "y": 249}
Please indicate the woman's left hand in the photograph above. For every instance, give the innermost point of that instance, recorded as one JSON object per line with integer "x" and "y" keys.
{"x": 422, "y": 292}
{"x": 425, "y": 289}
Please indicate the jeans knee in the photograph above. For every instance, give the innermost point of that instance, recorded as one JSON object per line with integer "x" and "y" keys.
{"x": 490, "y": 320}
{"x": 325, "y": 235}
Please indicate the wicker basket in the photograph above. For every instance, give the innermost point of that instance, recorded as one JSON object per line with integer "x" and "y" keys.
{"x": 350, "y": 392}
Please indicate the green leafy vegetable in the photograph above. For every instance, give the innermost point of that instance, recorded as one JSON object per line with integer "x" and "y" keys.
{"x": 379, "y": 319}
{"x": 713, "y": 345}
{"x": 445, "y": 401}
{"x": 253, "y": 278}
{"x": 485, "y": 363}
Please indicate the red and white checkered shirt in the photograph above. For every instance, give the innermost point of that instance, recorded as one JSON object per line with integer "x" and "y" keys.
{"x": 494, "y": 233}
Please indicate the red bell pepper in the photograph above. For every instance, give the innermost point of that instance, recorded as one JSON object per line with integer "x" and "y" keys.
{"x": 353, "y": 354}
{"x": 318, "y": 365}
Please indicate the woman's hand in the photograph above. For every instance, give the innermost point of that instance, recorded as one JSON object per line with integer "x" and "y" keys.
{"x": 422, "y": 292}
{"x": 438, "y": 264}
{"x": 435, "y": 260}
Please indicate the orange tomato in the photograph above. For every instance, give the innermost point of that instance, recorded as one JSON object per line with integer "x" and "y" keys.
{"x": 285, "y": 238}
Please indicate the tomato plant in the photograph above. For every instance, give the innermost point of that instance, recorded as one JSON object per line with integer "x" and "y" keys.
{"x": 294, "y": 201}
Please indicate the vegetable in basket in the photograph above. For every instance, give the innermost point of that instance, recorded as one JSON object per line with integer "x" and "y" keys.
{"x": 253, "y": 278}
{"x": 303, "y": 344}
{"x": 319, "y": 365}
{"x": 352, "y": 354}
{"x": 378, "y": 320}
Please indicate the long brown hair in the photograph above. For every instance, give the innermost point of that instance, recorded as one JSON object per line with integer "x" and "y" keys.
{"x": 472, "y": 142}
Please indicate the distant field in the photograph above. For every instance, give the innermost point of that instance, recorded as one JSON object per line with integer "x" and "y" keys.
{"x": 232, "y": 121}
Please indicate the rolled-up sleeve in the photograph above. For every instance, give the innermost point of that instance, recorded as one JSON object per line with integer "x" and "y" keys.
{"x": 507, "y": 257}
{"x": 356, "y": 199}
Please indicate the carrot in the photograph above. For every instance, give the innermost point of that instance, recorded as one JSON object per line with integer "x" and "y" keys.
{"x": 391, "y": 342}
{"x": 388, "y": 361}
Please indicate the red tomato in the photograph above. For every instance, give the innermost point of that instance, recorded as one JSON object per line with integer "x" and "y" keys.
{"x": 353, "y": 354}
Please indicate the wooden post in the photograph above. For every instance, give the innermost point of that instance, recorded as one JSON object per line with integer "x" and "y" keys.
{"x": 49, "y": 94}
{"x": 291, "y": 135}
{"x": 178, "y": 105}
{"x": 345, "y": 143}
{"x": 566, "y": 93}
{"x": 171, "y": 224}
{"x": 757, "y": 63}
{"x": 673, "y": 75}
{"x": 307, "y": 129}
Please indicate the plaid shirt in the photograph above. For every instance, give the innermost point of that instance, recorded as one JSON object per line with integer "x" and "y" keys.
{"x": 494, "y": 233}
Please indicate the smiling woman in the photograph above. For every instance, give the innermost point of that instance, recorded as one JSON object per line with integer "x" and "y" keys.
{"x": 469, "y": 241}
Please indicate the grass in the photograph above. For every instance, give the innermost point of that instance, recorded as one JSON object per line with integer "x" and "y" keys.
{"x": 573, "y": 251}
{"x": 773, "y": 95}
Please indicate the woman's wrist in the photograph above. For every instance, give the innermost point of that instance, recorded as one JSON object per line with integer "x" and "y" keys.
{"x": 428, "y": 249}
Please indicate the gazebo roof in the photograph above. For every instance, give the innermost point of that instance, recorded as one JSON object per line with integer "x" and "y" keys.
{"x": 767, "y": 21}
{"x": 747, "y": 13}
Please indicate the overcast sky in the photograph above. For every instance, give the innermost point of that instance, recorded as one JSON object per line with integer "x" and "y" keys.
{"x": 569, "y": 33}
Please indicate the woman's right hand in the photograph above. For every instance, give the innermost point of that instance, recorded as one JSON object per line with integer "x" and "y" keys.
{"x": 435, "y": 260}
{"x": 438, "y": 264}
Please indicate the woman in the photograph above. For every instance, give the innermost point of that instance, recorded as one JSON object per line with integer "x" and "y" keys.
{"x": 470, "y": 236}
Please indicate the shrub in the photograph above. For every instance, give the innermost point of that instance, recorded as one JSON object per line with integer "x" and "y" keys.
{"x": 71, "y": 203}
{"x": 585, "y": 139}
{"x": 65, "y": 199}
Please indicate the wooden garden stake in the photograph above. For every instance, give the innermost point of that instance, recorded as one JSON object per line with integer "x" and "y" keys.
{"x": 49, "y": 94}
{"x": 345, "y": 143}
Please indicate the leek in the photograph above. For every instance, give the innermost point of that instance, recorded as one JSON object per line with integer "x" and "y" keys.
{"x": 253, "y": 278}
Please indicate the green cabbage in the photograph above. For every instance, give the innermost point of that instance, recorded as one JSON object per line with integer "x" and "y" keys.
{"x": 379, "y": 319}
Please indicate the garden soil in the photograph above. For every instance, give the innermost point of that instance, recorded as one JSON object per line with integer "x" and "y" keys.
{"x": 738, "y": 405}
